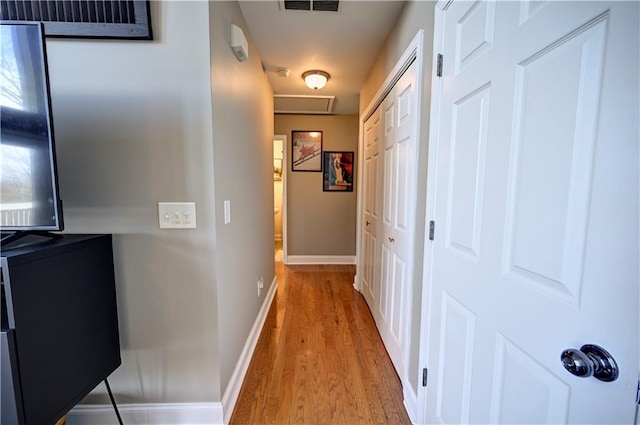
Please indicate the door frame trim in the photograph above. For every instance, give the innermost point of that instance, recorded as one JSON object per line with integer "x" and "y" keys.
{"x": 427, "y": 261}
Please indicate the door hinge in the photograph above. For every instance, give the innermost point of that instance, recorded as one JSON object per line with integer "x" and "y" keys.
{"x": 439, "y": 59}
{"x": 425, "y": 374}
{"x": 432, "y": 229}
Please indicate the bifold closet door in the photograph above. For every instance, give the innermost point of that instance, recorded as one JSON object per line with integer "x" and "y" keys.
{"x": 390, "y": 156}
{"x": 371, "y": 209}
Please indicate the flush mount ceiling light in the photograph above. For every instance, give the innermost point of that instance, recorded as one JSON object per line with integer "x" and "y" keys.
{"x": 315, "y": 79}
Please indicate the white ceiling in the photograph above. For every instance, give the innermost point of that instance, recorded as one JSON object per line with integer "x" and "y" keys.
{"x": 345, "y": 44}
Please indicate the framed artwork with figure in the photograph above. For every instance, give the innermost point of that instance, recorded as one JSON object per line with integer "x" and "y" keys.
{"x": 306, "y": 148}
{"x": 338, "y": 171}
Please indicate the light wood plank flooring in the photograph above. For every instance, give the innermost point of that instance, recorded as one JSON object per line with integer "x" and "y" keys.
{"x": 319, "y": 359}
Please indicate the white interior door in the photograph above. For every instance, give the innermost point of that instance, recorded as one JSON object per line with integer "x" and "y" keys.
{"x": 536, "y": 211}
{"x": 371, "y": 208}
{"x": 388, "y": 213}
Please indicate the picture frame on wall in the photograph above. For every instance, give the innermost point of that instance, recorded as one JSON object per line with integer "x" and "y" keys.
{"x": 338, "y": 171}
{"x": 306, "y": 150}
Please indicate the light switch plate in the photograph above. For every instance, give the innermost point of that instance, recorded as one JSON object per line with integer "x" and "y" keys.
{"x": 227, "y": 212}
{"x": 177, "y": 215}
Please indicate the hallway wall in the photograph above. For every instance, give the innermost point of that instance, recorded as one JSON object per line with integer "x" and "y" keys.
{"x": 177, "y": 118}
{"x": 133, "y": 127}
{"x": 242, "y": 106}
{"x": 320, "y": 223}
{"x": 416, "y": 15}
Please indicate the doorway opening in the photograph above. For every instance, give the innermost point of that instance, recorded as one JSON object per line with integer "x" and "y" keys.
{"x": 279, "y": 198}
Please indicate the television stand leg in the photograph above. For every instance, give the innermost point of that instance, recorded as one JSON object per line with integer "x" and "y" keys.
{"x": 113, "y": 401}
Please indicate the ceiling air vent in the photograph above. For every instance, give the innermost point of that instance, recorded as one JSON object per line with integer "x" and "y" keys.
{"x": 294, "y": 104}
{"x": 310, "y": 5}
{"x": 325, "y": 5}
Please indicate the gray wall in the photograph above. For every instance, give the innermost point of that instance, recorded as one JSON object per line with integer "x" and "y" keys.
{"x": 320, "y": 223}
{"x": 135, "y": 125}
{"x": 243, "y": 173}
{"x": 415, "y": 15}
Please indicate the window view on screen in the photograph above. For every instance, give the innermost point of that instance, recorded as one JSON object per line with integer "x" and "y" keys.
{"x": 27, "y": 188}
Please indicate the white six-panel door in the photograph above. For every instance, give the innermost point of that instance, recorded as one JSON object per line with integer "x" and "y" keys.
{"x": 371, "y": 208}
{"x": 536, "y": 211}
{"x": 389, "y": 212}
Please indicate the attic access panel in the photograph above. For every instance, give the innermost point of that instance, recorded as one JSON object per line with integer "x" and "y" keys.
{"x": 130, "y": 19}
{"x": 302, "y": 104}
{"x": 311, "y": 5}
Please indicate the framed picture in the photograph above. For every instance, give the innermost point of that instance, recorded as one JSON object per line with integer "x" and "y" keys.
{"x": 338, "y": 171}
{"x": 306, "y": 148}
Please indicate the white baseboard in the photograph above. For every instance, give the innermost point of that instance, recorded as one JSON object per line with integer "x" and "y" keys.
{"x": 357, "y": 284}
{"x": 148, "y": 414}
{"x": 181, "y": 413}
{"x": 320, "y": 259}
{"x": 232, "y": 392}
{"x": 410, "y": 402}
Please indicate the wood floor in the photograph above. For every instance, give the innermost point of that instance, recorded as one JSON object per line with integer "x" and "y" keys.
{"x": 319, "y": 359}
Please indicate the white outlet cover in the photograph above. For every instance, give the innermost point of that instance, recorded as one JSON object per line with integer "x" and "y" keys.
{"x": 177, "y": 215}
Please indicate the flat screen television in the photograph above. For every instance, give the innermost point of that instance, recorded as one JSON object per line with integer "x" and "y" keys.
{"x": 29, "y": 196}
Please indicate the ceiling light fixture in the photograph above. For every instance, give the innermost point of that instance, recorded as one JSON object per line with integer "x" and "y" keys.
{"x": 315, "y": 79}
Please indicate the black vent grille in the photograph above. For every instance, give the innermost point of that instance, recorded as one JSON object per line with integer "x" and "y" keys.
{"x": 297, "y": 5}
{"x": 315, "y": 5}
{"x": 86, "y": 18}
{"x": 325, "y": 5}
{"x": 112, "y": 12}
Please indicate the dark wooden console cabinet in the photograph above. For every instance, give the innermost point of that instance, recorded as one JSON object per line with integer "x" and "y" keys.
{"x": 59, "y": 325}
